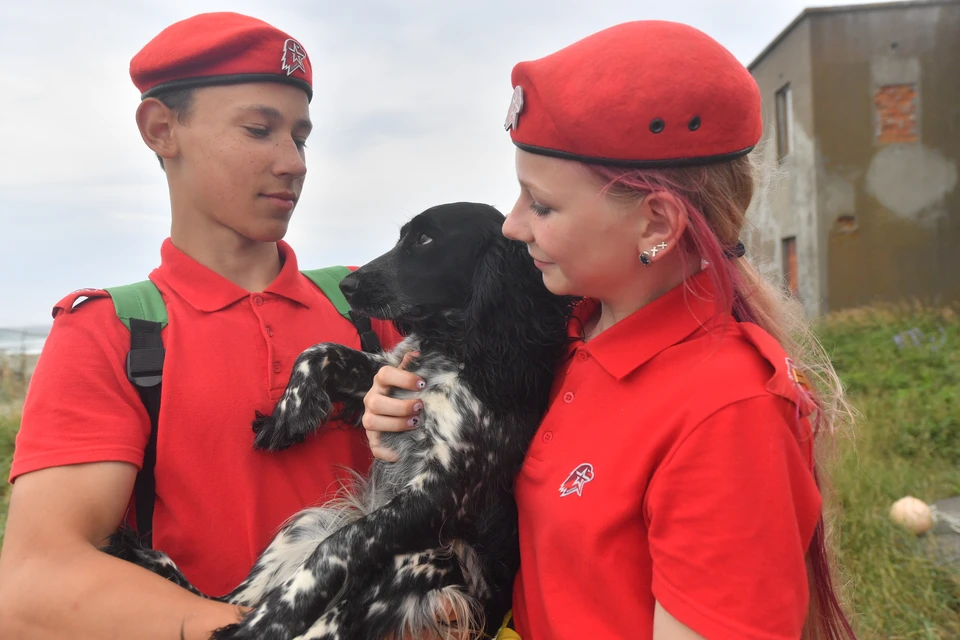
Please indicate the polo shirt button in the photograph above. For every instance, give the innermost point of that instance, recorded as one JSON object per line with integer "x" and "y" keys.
{"x": 582, "y": 355}
{"x": 548, "y": 436}
{"x": 257, "y": 300}
{"x": 568, "y": 397}
{"x": 270, "y": 331}
{"x": 276, "y": 366}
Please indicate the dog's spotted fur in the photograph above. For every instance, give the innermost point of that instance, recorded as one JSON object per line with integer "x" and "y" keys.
{"x": 432, "y": 536}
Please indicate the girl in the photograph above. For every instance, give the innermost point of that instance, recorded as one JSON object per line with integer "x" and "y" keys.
{"x": 671, "y": 490}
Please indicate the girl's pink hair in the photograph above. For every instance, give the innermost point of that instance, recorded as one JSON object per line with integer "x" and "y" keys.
{"x": 715, "y": 198}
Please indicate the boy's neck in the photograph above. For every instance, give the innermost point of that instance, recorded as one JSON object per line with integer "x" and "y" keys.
{"x": 248, "y": 264}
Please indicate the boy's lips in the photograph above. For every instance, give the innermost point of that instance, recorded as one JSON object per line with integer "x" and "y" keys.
{"x": 282, "y": 199}
{"x": 281, "y": 195}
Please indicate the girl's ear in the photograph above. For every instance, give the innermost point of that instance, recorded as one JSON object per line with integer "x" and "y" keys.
{"x": 664, "y": 223}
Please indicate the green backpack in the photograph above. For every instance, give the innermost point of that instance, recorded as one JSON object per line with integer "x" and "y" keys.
{"x": 141, "y": 308}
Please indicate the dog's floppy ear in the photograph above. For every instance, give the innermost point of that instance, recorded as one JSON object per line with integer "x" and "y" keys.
{"x": 511, "y": 315}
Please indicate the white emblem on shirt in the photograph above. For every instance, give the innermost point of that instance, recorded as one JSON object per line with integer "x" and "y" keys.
{"x": 575, "y": 481}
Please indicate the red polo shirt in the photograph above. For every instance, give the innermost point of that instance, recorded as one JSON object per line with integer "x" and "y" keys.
{"x": 229, "y": 353}
{"x": 672, "y": 467}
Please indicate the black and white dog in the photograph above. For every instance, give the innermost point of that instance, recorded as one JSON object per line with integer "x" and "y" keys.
{"x": 434, "y": 535}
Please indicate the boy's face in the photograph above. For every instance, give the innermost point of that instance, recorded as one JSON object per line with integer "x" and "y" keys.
{"x": 240, "y": 161}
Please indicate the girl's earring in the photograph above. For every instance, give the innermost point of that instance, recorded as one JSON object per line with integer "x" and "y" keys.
{"x": 647, "y": 256}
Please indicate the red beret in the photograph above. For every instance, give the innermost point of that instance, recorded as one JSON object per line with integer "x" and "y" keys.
{"x": 640, "y": 94}
{"x": 220, "y": 48}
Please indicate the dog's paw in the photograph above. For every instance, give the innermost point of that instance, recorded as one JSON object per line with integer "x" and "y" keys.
{"x": 271, "y": 436}
{"x": 124, "y": 544}
{"x": 274, "y": 435}
{"x": 292, "y": 421}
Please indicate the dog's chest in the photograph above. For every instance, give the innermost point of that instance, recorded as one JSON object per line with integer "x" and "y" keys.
{"x": 448, "y": 431}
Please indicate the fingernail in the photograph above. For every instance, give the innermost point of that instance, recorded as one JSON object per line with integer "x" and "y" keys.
{"x": 421, "y": 384}
{"x": 418, "y": 407}
{"x": 413, "y": 422}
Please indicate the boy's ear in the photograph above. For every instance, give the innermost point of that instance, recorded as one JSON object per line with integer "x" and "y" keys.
{"x": 156, "y": 122}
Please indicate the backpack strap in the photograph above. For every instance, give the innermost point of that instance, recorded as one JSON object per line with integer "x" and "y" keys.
{"x": 141, "y": 308}
{"x": 328, "y": 280}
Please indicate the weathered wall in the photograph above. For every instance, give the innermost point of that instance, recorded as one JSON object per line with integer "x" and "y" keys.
{"x": 787, "y": 207}
{"x": 887, "y": 112}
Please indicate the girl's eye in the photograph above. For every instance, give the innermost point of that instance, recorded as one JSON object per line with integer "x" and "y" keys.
{"x": 301, "y": 144}
{"x": 258, "y": 132}
{"x": 538, "y": 209}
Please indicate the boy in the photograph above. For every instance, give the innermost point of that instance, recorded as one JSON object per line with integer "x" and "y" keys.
{"x": 225, "y": 106}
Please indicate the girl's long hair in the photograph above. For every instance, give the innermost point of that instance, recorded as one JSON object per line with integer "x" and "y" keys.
{"x": 716, "y": 198}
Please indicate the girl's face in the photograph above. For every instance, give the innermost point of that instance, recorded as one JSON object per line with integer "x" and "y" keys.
{"x": 585, "y": 242}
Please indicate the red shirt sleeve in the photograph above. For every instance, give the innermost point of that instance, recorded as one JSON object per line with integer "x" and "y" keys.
{"x": 731, "y": 512}
{"x": 80, "y": 407}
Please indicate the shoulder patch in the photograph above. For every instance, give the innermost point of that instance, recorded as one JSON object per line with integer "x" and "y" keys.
{"x": 76, "y": 298}
{"x": 787, "y": 381}
{"x": 791, "y": 383}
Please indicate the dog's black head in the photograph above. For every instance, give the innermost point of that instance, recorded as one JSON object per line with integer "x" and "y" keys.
{"x": 465, "y": 289}
{"x": 431, "y": 268}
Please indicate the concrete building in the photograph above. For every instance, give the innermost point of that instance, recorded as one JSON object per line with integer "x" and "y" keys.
{"x": 862, "y": 129}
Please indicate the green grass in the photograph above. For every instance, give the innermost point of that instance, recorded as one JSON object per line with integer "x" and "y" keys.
{"x": 8, "y": 431}
{"x": 907, "y": 443}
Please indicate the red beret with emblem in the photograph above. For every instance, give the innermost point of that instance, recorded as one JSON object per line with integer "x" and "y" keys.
{"x": 220, "y": 48}
{"x": 639, "y": 94}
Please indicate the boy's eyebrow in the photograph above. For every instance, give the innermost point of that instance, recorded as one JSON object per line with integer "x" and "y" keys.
{"x": 274, "y": 114}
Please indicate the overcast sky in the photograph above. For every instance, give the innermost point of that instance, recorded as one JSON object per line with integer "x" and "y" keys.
{"x": 410, "y": 98}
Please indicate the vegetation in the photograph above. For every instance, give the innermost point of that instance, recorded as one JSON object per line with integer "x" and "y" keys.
{"x": 901, "y": 365}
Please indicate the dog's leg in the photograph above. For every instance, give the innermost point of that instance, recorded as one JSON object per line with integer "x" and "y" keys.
{"x": 355, "y": 550}
{"x": 125, "y": 545}
{"x": 401, "y": 600}
{"x": 324, "y": 374}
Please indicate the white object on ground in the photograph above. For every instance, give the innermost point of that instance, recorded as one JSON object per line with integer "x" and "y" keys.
{"x": 919, "y": 517}
{"x": 913, "y": 514}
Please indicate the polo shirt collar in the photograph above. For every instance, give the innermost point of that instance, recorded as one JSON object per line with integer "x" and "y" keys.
{"x": 668, "y": 320}
{"x": 208, "y": 291}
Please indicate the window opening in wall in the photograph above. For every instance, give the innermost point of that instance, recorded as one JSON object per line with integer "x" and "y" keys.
{"x": 784, "y": 122}
{"x": 790, "y": 271}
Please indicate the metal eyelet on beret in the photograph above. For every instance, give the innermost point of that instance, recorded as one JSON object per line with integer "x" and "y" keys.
{"x": 694, "y": 123}
{"x": 657, "y": 125}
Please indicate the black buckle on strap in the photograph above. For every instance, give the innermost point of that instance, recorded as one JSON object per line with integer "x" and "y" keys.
{"x": 145, "y": 366}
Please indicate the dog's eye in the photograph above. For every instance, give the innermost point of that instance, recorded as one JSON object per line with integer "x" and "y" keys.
{"x": 423, "y": 239}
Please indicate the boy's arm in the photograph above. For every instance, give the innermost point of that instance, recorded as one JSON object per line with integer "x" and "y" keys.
{"x": 56, "y": 583}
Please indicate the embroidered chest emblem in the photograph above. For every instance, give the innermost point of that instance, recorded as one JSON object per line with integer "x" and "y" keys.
{"x": 575, "y": 481}
{"x": 294, "y": 57}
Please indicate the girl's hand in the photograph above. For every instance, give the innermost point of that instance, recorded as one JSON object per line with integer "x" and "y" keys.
{"x": 382, "y": 413}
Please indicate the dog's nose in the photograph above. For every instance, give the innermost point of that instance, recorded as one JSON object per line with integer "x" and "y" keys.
{"x": 349, "y": 285}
